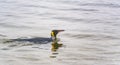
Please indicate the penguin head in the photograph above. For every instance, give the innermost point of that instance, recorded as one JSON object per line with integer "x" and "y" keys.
{"x": 54, "y": 33}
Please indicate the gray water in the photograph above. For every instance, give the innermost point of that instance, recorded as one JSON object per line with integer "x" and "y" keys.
{"x": 91, "y": 35}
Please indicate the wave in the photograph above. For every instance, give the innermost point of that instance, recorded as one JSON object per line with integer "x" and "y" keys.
{"x": 92, "y": 36}
{"x": 101, "y": 5}
{"x": 9, "y": 25}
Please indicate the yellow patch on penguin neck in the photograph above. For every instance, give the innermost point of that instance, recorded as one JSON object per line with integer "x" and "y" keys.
{"x": 52, "y": 33}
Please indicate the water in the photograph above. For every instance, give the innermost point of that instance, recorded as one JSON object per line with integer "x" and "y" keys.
{"x": 91, "y": 36}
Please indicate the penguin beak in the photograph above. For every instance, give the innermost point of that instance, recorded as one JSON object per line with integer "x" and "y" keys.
{"x": 60, "y": 31}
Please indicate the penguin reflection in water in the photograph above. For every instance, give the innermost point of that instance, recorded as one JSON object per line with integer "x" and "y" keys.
{"x": 55, "y": 44}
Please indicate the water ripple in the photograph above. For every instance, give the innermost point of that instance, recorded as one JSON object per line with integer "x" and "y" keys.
{"x": 101, "y": 4}
{"x": 12, "y": 25}
{"x": 92, "y": 36}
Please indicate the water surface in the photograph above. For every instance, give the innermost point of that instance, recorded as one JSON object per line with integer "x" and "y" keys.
{"x": 91, "y": 36}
